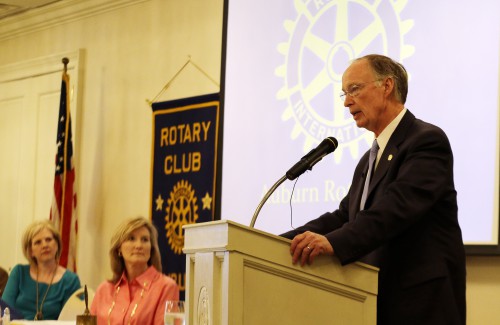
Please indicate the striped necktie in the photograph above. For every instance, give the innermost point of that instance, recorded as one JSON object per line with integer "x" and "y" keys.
{"x": 371, "y": 167}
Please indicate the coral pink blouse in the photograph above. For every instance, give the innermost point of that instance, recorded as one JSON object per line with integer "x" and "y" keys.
{"x": 140, "y": 302}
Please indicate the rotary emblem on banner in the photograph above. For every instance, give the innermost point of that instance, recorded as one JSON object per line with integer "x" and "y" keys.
{"x": 316, "y": 57}
{"x": 182, "y": 209}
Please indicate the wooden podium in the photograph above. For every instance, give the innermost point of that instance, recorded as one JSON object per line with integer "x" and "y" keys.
{"x": 237, "y": 275}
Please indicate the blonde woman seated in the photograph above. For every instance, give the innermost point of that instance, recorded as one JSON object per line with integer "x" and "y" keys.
{"x": 40, "y": 289}
{"x": 138, "y": 290}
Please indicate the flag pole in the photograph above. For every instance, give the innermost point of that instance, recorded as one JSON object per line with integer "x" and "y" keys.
{"x": 65, "y": 61}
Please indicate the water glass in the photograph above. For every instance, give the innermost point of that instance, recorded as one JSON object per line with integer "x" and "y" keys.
{"x": 174, "y": 312}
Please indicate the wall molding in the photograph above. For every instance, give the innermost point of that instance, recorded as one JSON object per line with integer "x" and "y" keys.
{"x": 39, "y": 66}
{"x": 58, "y": 13}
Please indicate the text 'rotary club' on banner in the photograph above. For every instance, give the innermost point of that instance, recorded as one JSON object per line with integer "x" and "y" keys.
{"x": 196, "y": 132}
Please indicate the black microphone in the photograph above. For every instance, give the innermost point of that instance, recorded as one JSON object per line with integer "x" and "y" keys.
{"x": 308, "y": 161}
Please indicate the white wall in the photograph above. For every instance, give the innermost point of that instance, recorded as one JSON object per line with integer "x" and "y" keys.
{"x": 132, "y": 48}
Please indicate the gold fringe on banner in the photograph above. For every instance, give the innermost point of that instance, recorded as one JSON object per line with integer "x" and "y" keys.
{"x": 169, "y": 83}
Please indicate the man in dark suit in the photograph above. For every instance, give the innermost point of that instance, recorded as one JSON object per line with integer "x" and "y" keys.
{"x": 406, "y": 223}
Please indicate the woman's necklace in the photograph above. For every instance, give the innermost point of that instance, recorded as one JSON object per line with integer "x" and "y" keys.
{"x": 39, "y": 313}
{"x": 135, "y": 306}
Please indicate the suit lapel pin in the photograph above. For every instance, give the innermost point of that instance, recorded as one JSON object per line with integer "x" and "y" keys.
{"x": 389, "y": 158}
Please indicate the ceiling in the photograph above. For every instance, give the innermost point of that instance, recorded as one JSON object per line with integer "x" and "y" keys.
{"x": 13, "y": 7}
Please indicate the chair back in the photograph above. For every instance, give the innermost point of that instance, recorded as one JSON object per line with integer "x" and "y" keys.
{"x": 76, "y": 304}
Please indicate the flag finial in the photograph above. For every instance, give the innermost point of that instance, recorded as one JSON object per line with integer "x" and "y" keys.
{"x": 65, "y": 61}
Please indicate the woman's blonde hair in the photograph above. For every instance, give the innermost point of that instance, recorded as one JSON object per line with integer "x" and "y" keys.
{"x": 33, "y": 230}
{"x": 121, "y": 234}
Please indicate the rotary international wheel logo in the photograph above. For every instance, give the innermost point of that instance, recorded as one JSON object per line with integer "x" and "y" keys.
{"x": 182, "y": 209}
{"x": 316, "y": 57}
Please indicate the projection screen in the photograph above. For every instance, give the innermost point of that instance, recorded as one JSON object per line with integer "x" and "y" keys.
{"x": 283, "y": 67}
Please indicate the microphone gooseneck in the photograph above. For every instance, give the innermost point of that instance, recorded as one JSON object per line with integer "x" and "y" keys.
{"x": 264, "y": 199}
{"x": 326, "y": 146}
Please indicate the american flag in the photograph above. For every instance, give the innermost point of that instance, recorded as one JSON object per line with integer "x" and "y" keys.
{"x": 63, "y": 210}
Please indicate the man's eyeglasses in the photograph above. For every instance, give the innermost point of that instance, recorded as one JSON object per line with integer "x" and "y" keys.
{"x": 354, "y": 89}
